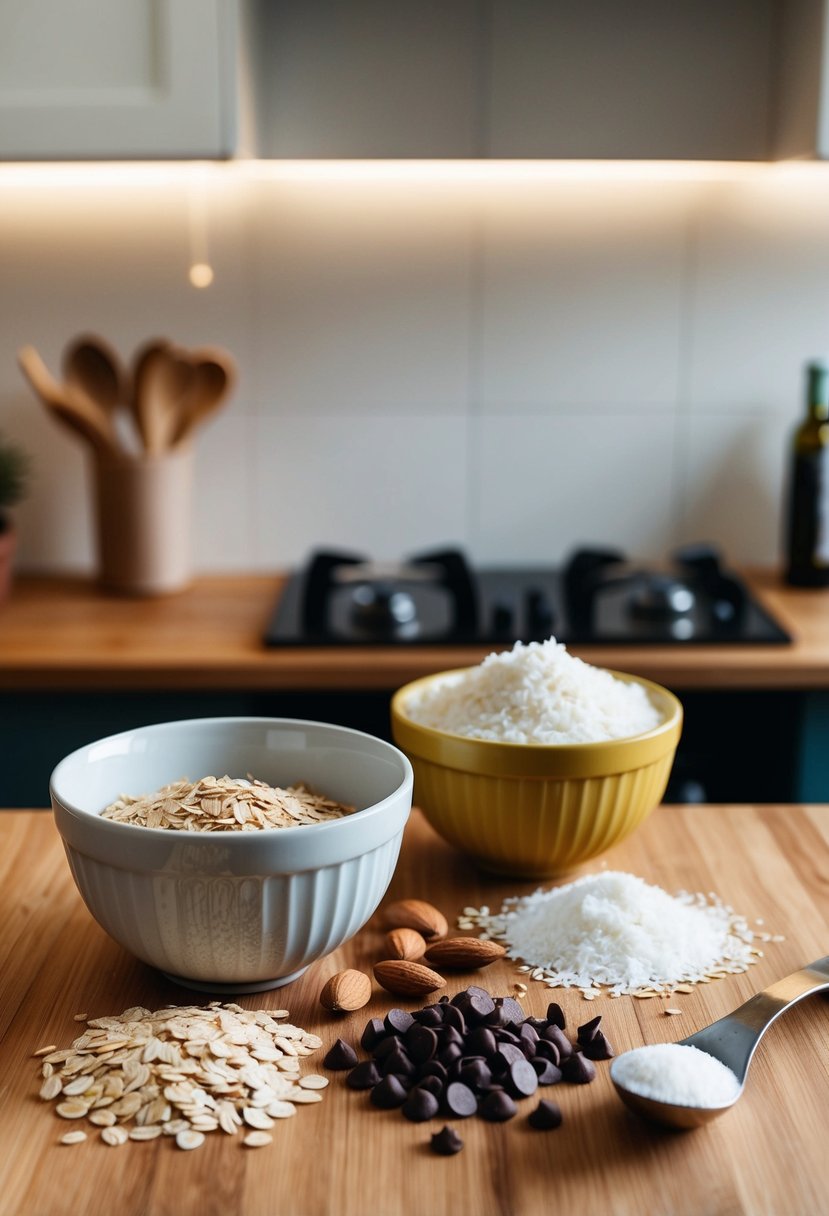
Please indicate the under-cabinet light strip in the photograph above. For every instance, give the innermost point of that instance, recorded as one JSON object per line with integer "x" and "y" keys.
{"x": 137, "y": 173}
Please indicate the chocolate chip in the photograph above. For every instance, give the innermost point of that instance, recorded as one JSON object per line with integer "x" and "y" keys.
{"x": 554, "y": 1035}
{"x": 450, "y": 1054}
{"x": 497, "y": 1107}
{"x": 528, "y": 1033}
{"x": 502, "y": 1035}
{"x": 547, "y": 1051}
{"x": 578, "y": 1069}
{"x": 364, "y": 1076}
{"x": 399, "y": 1063}
{"x": 385, "y": 1047}
{"x": 398, "y": 1021}
{"x": 481, "y": 1005}
{"x": 599, "y": 1048}
{"x": 446, "y": 1142}
{"x": 452, "y": 1016}
{"x": 460, "y": 1100}
{"x": 476, "y": 1075}
{"x": 545, "y": 1116}
{"x": 421, "y": 1043}
{"x": 538, "y": 1024}
{"x": 374, "y": 1031}
{"x": 497, "y": 1018}
{"x": 433, "y": 1084}
{"x": 420, "y": 1105}
{"x": 546, "y": 1072}
{"x": 522, "y": 1079}
{"x": 506, "y": 1055}
{"x": 511, "y": 1009}
{"x": 589, "y": 1030}
{"x": 555, "y": 1015}
{"x": 475, "y": 990}
{"x": 450, "y": 1034}
{"x": 388, "y": 1093}
{"x": 432, "y": 1016}
{"x": 481, "y": 1041}
{"x": 432, "y": 1068}
{"x": 341, "y": 1056}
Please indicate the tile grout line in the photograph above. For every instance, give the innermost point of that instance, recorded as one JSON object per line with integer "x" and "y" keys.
{"x": 685, "y": 350}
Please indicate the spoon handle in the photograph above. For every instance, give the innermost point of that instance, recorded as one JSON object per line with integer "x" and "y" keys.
{"x": 734, "y": 1038}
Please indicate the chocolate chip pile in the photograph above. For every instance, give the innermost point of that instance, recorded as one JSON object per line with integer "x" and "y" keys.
{"x": 472, "y": 1055}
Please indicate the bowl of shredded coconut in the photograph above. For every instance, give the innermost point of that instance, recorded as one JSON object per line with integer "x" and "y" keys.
{"x": 535, "y": 761}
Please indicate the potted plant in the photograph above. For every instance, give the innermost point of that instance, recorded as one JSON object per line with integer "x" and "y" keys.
{"x": 14, "y": 476}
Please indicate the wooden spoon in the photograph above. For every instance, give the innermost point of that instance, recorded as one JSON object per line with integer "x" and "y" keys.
{"x": 213, "y": 381}
{"x": 81, "y": 415}
{"x": 162, "y": 379}
{"x": 92, "y": 368}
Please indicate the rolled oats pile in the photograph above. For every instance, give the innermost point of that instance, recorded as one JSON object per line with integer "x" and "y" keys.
{"x": 182, "y": 1071}
{"x": 224, "y": 804}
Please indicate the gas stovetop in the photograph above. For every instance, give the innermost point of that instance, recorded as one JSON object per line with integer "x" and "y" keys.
{"x": 598, "y": 596}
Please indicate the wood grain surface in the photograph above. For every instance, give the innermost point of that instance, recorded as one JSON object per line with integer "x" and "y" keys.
{"x": 64, "y": 633}
{"x": 345, "y": 1158}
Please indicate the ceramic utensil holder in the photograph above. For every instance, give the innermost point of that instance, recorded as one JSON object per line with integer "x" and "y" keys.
{"x": 144, "y": 511}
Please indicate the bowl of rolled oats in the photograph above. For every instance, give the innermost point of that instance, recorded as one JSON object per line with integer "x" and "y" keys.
{"x": 231, "y": 853}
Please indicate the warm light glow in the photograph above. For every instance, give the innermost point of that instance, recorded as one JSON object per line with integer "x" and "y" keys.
{"x": 133, "y": 174}
{"x": 201, "y": 275}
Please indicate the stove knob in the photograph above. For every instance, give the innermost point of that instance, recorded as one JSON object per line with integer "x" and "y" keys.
{"x": 503, "y": 620}
{"x": 539, "y": 615}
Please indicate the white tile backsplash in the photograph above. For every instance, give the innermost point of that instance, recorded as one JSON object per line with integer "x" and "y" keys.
{"x": 547, "y": 485}
{"x": 514, "y": 366}
{"x": 383, "y": 485}
{"x": 733, "y": 482}
{"x": 363, "y": 299}
{"x": 581, "y": 297}
{"x": 759, "y": 303}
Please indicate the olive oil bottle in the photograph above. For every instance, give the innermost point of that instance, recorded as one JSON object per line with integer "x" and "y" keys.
{"x": 807, "y": 535}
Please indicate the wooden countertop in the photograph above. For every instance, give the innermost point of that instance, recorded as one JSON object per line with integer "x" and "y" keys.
{"x": 342, "y": 1157}
{"x": 65, "y": 633}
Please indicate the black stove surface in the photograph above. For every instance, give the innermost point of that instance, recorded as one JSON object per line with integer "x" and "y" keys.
{"x": 596, "y": 597}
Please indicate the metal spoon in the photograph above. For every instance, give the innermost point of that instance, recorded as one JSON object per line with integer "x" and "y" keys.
{"x": 732, "y": 1040}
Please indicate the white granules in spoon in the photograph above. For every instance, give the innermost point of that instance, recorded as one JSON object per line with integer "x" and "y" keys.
{"x": 613, "y": 930}
{"x": 676, "y": 1073}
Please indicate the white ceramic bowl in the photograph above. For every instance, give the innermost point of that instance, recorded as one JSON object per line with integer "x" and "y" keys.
{"x": 233, "y": 911}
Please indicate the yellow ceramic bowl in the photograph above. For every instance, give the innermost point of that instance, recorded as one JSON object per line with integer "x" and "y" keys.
{"x": 534, "y": 810}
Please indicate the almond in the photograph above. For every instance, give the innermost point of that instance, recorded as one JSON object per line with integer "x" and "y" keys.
{"x": 405, "y": 943}
{"x": 345, "y": 991}
{"x": 405, "y": 978}
{"x": 465, "y": 953}
{"x": 416, "y": 914}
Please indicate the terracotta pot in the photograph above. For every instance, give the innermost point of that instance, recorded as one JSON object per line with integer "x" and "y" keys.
{"x": 8, "y": 544}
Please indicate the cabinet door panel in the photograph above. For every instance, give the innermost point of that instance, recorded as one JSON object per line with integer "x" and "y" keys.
{"x": 650, "y": 79}
{"x": 115, "y": 78}
{"x": 369, "y": 78}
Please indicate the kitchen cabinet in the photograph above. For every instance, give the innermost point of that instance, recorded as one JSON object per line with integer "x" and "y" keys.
{"x": 117, "y": 79}
{"x": 515, "y": 79}
{"x": 767, "y": 1155}
{"x": 801, "y": 111}
{"x": 687, "y": 80}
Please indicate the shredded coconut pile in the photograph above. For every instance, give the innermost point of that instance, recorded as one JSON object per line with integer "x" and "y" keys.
{"x": 616, "y": 931}
{"x": 536, "y": 693}
{"x": 677, "y": 1073}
